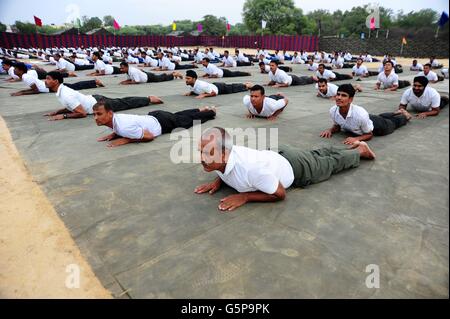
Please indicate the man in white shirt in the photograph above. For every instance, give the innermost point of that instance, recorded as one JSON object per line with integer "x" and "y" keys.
{"x": 77, "y": 105}
{"x": 423, "y": 99}
{"x": 202, "y": 89}
{"x": 228, "y": 61}
{"x": 296, "y": 59}
{"x": 430, "y": 75}
{"x": 164, "y": 64}
{"x": 312, "y": 66}
{"x": 258, "y": 105}
{"x": 148, "y": 61}
{"x": 36, "y": 86}
{"x": 435, "y": 63}
{"x": 8, "y": 66}
{"x": 323, "y": 73}
{"x": 130, "y": 59}
{"x": 415, "y": 66}
{"x": 212, "y": 71}
{"x": 265, "y": 69}
{"x": 326, "y": 90}
{"x": 241, "y": 59}
{"x": 264, "y": 176}
{"x": 388, "y": 79}
{"x": 102, "y": 69}
{"x": 136, "y": 76}
{"x": 338, "y": 61}
{"x": 62, "y": 65}
{"x": 128, "y": 128}
{"x": 360, "y": 70}
{"x": 355, "y": 120}
{"x": 80, "y": 63}
{"x": 279, "y": 78}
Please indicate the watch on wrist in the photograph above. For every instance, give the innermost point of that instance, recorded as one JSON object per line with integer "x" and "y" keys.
{"x": 65, "y": 115}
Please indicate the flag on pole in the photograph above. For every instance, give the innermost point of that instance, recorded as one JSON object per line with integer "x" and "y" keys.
{"x": 174, "y": 26}
{"x": 200, "y": 27}
{"x": 228, "y": 26}
{"x": 263, "y": 24}
{"x": 404, "y": 41}
{"x": 372, "y": 23}
{"x": 37, "y": 21}
{"x": 443, "y": 20}
{"x": 116, "y": 25}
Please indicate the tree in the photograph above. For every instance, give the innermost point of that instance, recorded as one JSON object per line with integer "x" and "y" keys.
{"x": 25, "y": 27}
{"x": 2, "y": 27}
{"x": 279, "y": 14}
{"x": 213, "y": 25}
{"x": 90, "y": 24}
{"x": 108, "y": 21}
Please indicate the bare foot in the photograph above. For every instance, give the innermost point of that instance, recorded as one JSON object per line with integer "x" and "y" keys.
{"x": 406, "y": 114}
{"x": 177, "y": 75}
{"x": 71, "y": 74}
{"x": 155, "y": 100}
{"x": 358, "y": 88}
{"x": 99, "y": 83}
{"x": 364, "y": 150}
{"x": 248, "y": 85}
{"x": 208, "y": 108}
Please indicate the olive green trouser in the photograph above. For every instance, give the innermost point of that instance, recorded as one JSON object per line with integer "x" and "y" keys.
{"x": 316, "y": 166}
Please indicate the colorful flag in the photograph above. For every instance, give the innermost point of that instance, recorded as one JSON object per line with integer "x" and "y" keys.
{"x": 228, "y": 26}
{"x": 443, "y": 20}
{"x": 263, "y": 24}
{"x": 372, "y": 23}
{"x": 37, "y": 21}
{"x": 404, "y": 41}
{"x": 200, "y": 27}
{"x": 116, "y": 25}
{"x": 174, "y": 26}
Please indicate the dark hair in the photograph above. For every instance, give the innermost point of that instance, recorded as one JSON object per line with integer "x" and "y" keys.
{"x": 428, "y": 65}
{"x": 56, "y": 76}
{"x": 206, "y": 60}
{"x": 259, "y": 88}
{"x": 8, "y": 62}
{"x": 261, "y": 63}
{"x": 226, "y": 51}
{"x": 274, "y": 61}
{"x": 323, "y": 80}
{"x": 321, "y": 64}
{"x": 105, "y": 105}
{"x": 97, "y": 54}
{"x": 57, "y": 55}
{"x": 123, "y": 63}
{"x": 21, "y": 66}
{"x": 388, "y": 61}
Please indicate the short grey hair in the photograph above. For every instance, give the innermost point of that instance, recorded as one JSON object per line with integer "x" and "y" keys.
{"x": 222, "y": 139}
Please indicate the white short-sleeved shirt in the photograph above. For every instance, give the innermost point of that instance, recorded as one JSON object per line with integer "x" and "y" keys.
{"x": 31, "y": 78}
{"x": 64, "y": 64}
{"x": 165, "y": 63}
{"x": 435, "y": 63}
{"x": 280, "y": 77}
{"x": 327, "y": 74}
{"x": 132, "y": 60}
{"x": 229, "y": 62}
{"x": 151, "y": 62}
{"x": 101, "y": 66}
{"x": 331, "y": 90}
{"x": 297, "y": 60}
{"x": 430, "y": 99}
{"x": 339, "y": 62}
{"x": 242, "y": 58}
{"x": 417, "y": 67}
{"x": 211, "y": 69}
{"x": 388, "y": 81}
{"x": 133, "y": 126}
{"x": 357, "y": 120}
{"x": 250, "y": 170}
{"x": 137, "y": 75}
{"x": 431, "y": 76}
{"x": 313, "y": 67}
{"x": 71, "y": 99}
{"x": 270, "y": 106}
{"x": 176, "y": 58}
{"x": 267, "y": 68}
{"x": 79, "y": 61}
{"x": 12, "y": 74}
{"x": 201, "y": 87}
{"x": 362, "y": 70}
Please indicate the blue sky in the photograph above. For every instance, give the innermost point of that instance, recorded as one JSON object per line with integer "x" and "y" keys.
{"x": 165, "y": 11}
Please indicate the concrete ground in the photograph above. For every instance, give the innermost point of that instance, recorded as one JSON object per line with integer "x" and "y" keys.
{"x": 137, "y": 221}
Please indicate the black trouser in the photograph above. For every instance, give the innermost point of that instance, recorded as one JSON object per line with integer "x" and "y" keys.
{"x": 122, "y": 104}
{"x": 402, "y": 84}
{"x": 285, "y": 68}
{"x": 82, "y": 85}
{"x": 187, "y": 59}
{"x": 184, "y": 66}
{"x": 340, "y": 77}
{"x": 276, "y": 97}
{"x": 440, "y": 78}
{"x": 238, "y": 63}
{"x": 84, "y": 67}
{"x": 348, "y": 65}
{"x": 387, "y": 123}
{"x": 116, "y": 70}
{"x": 163, "y": 77}
{"x": 302, "y": 80}
{"x": 230, "y": 88}
{"x": 185, "y": 119}
{"x": 43, "y": 74}
{"x": 231, "y": 74}
{"x": 444, "y": 102}
{"x": 373, "y": 73}
{"x": 398, "y": 69}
